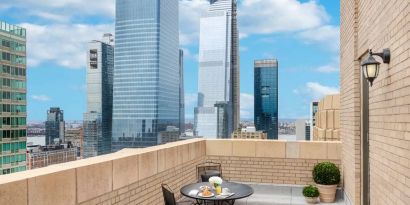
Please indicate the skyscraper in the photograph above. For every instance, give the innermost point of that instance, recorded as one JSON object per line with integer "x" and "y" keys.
{"x": 146, "y": 71}
{"x": 314, "y": 106}
{"x": 217, "y": 113}
{"x": 55, "y": 126}
{"x": 13, "y": 113}
{"x": 266, "y": 97}
{"x": 181, "y": 93}
{"x": 98, "y": 118}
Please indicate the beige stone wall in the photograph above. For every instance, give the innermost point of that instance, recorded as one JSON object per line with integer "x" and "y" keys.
{"x": 277, "y": 162}
{"x": 130, "y": 176}
{"x": 377, "y": 25}
{"x": 327, "y": 119}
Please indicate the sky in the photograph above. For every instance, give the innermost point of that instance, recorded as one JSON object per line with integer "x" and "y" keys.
{"x": 303, "y": 35}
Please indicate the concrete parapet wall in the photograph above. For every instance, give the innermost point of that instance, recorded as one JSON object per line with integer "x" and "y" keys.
{"x": 134, "y": 176}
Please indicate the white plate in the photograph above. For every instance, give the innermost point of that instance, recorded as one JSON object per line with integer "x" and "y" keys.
{"x": 212, "y": 194}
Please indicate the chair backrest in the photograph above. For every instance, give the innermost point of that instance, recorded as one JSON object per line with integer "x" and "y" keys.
{"x": 169, "y": 197}
{"x": 207, "y": 166}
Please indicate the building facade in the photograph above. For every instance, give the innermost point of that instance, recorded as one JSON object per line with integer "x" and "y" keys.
{"x": 374, "y": 120}
{"x": 13, "y": 110}
{"x": 241, "y": 134}
{"x": 327, "y": 126}
{"x": 266, "y": 97}
{"x": 55, "y": 126}
{"x": 217, "y": 114}
{"x": 302, "y": 129}
{"x": 146, "y": 73}
{"x": 313, "y": 110}
{"x": 181, "y": 93}
{"x": 38, "y": 156}
{"x": 97, "y": 123}
{"x": 75, "y": 137}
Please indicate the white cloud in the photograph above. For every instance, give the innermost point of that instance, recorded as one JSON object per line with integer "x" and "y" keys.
{"x": 247, "y": 105}
{"x": 269, "y": 16}
{"x": 325, "y": 35}
{"x": 317, "y": 91}
{"x": 332, "y": 67}
{"x": 62, "y": 44}
{"x": 42, "y": 98}
{"x": 68, "y": 8}
{"x": 189, "y": 15}
{"x": 327, "y": 69}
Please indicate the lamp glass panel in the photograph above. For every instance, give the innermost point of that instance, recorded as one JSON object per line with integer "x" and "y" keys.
{"x": 372, "y": 70}
{"x": 364, "y": 68}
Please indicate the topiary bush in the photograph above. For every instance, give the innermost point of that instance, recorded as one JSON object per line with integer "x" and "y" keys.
{"x": 310, "y": 191}
{"x": 326, "y": 173}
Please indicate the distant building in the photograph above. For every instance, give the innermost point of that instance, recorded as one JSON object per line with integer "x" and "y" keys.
{"x": 327, "y": 119}
{"x": 146, "y": 74}
{"x": 13, "y": 98}
{"x": 217, "y": 112}
{"x": 171, "y": 134}
{"x": 97, "y": 122}
{"x": 248, "y": 133}
{"x": 181, "y": 93}
{"x": 266, "y": 97}
{"x": 302, "y": 130}
{"x": 314, "y": 106}
{"x": 42, "y": 156}
{"x": 55, "y": 126}
{"x": 75, "y": 136}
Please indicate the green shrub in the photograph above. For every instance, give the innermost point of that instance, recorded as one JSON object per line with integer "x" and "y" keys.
{"x": 326, "y": 173}
{"x": 310, "y": 191}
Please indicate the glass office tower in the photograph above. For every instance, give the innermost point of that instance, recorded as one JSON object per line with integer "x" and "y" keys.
{"x": 146, "y": 71}
{"x": 181, "y": 93}
{"x": 266, "y": 97}
{"x": 13, "y": 111}
{"x": 55, "y": 126}
{"x": 97, "y": 121}
{"x": 218, "y": 81}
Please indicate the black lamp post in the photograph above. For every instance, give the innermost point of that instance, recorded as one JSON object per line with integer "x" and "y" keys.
{"x": 371, "y": 67}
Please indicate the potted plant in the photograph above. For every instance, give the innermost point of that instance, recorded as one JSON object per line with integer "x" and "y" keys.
{"x": 311, "y": 193}
{"x": 326, "y": 176}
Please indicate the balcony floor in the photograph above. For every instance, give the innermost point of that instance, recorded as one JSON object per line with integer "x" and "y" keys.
{"x": 277, "y": 194}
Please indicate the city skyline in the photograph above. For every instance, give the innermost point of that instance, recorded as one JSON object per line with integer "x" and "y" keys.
{"x": 286, "y": 39}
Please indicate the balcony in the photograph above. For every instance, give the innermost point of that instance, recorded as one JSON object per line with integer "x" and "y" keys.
{"x": 276, "y": 170}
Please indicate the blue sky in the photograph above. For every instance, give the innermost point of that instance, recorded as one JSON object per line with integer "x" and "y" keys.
{"x": 302, "y": 35}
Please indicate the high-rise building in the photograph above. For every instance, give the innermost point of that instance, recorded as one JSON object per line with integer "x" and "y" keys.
{"x": 97, "y": 121}
{"x": 181, "y": 93}
{"x": 55, "y": 126}
{"x": 302, "y": 129}
{"x": 217, "y": 114}
{"x": 314, "y": 106}
{"x": 13, "y": 127}
{"x": 146, "y": 71}
{"x": 266, "y": 97}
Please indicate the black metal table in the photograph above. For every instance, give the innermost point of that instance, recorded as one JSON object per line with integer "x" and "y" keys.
{"x": 241, "y": 191}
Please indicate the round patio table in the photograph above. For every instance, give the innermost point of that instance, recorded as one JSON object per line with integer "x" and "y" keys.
{"x": 240, "y": 191}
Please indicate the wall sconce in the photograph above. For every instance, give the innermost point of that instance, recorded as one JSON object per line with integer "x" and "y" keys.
{"x": 371, "y": 67}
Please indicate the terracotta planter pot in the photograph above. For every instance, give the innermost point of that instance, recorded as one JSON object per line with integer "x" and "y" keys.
{"x": 327, "y": 193}
{"x": 311, "y": 200}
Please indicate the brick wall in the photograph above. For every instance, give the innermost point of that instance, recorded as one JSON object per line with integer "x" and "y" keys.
{"x": 148, "y": 191}
{"x": 350, "y": 101}
{"x": 377, "y": 24}
{"x": 267, "y": 170}
{"x": 278, "y": 162}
